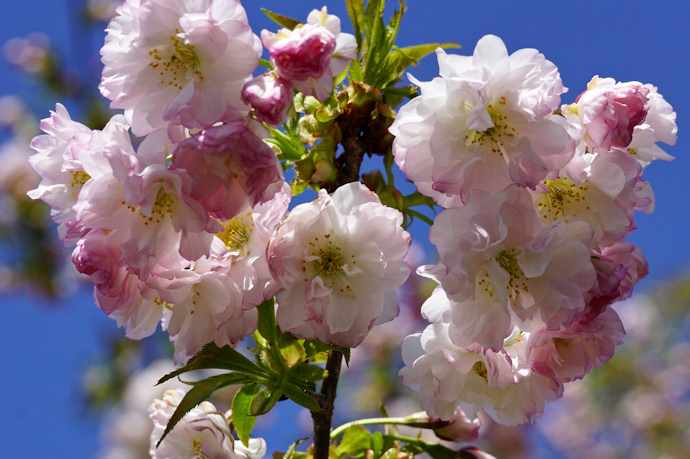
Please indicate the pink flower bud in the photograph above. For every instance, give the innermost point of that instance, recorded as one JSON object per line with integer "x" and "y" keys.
{"x": 270, "y": 96}
{"x": 461, "y": 428}
{"x": 305, "y": 53}
{"x": 610, "y": 112}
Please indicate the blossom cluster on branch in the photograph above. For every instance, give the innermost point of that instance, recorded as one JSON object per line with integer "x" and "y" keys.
{"x": 178, "y": 212}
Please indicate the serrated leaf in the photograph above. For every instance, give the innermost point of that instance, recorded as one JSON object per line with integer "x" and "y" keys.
{"x": 241, "y": 417}
{"x": 201, "y": 391}
{"x": 283, "y": 21}
{"x": 267, "y": 321}
{"x": 223, "y": 358}
{"x": 314, "y": 347}
{"x": 355, "y": 9}
{"x": 300, "y": 397}
{"x": 264, "y": 401}
{"x": 356, "y": 442}
{"x": 305, "y": 372}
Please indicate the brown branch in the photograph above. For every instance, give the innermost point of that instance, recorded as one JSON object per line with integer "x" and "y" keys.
{"x": 322, "y": 419}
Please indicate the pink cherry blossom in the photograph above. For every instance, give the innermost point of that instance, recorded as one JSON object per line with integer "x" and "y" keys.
{"x": 499, "y": 266}
{"x": 447, "y": 376}
{"x": 484, "y": 124}
{"x": 602, "y": 189}
{"x": 202, "y": 432}
{"x": 338, "y": 260}
{"x": 231, "y": 168}
{"x": 270, "y": 95}
{"x": 58, "y": 160}
{"x": 182, "y": 62}
{"x": 570, "y": 354}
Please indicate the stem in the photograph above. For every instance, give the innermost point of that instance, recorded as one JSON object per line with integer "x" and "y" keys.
{"x": 369, "y": 422}
{"x": 322, "y": 419}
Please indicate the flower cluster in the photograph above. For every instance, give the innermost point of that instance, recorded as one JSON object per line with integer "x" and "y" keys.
{"x": 537, "y": 200}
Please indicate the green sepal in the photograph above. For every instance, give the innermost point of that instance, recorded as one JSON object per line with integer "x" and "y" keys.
{"x": 201, "y": 391}
{"x": 242, "y": 419}
{"x": 265, "y": 400}
{"x": 356, "y": 442}
{"x": 224, "y": 358}
{"x": 283, "y": 21}
{"x": 377, "y": 443}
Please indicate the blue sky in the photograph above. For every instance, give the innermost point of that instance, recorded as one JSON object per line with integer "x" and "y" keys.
{"x": 46, "y": 348}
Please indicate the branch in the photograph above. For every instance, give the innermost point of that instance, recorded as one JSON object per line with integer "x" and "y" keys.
{"x": 322, "y": 419}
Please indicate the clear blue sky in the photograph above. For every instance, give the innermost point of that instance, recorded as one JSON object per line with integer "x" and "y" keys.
{"x": 46, "y": 348}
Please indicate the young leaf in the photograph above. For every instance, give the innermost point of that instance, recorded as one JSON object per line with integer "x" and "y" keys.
{"x": 355, "y": 8}
{"x": 306, "y": 372}
{"x": 300, "y": 397}
{"x": 314, "y": 347}
{"x": 356, "y": 442}
{"x": 241, "y": 417}
{"x": 377, "y": 443}
{"x": 281, "y": 20}
{"x": 201, "y": 391}
{"x": 223, "y": 358}
{"x": 267, "y": 321}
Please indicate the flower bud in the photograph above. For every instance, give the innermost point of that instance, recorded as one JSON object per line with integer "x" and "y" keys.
{"x": 305, "y": 53}
{"x": 270, "y": 96}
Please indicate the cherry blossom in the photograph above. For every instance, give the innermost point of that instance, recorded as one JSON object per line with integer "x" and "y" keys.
{"x": 202, "y": 432}
{"x": 484, "y": 124}
{"x": 180, "y": 61}
{"x": 338, "y": 260}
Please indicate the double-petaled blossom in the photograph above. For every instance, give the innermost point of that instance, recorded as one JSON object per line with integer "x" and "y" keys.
{"x": 499, "y": 265}
{"x": 146, "y": 205}
{"x": 311, "y": 54}
{"x": 118, "y": 291}
{"x": 484, "y": 124}
{"x": 570, "y": 354}
{"x": 202, "y": 432}
{"x": 609, "y": 112}
{"x": 231, "y": 168}
{"x": 448, "y": 376}
{"x": 338, "y": 261}
{"x": 603, "y": 189}
{"x": 183, "y": 62}
{"x": 58, "y": 160}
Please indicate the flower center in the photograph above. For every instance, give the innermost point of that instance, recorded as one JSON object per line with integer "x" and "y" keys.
{"x": 79, "y": 178}
{"x": 496, "y": 135}
{"x": 327, "y": 260}
{"x": 174, "y": 61}
{"x": 237, "y": 233}
{"x": 479, "y": 368}
{"x": 507, "y": 260}
{"x": 564, "y": 198}
{"x": 330, "y": 262}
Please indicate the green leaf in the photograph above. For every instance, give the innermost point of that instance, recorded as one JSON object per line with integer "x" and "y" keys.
{"x": 201, "y": 391}
{"x": 265, "y": 400}
{"x": 377, "y": 443}
{"x": 305, "y": 372}
{"x": 241, "y": 417}
{"x": 267, "y": 321}
{"x": 290, "y": 148}
{"x": 356, "y": 442}
{"x": 223, "y": 358}
{"x": 300, "y": 397}
{"x": 281, "y": 20}
{"x": 355, "y": 8}
{"x": 291, "y": 453}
